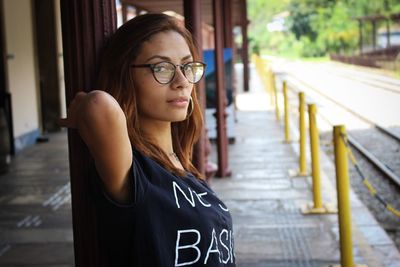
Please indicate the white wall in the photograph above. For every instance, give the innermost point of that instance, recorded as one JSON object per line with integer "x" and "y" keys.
{"x": 23, "y": 83}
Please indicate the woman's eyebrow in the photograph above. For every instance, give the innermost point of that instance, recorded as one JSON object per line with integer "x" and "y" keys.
{"x": 186, "y": 57}
{"x": 167, "y": 58}
{"x": 157, "y": 56}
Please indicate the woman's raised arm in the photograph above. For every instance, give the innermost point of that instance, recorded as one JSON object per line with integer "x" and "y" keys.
{"x": 101, "y": 123}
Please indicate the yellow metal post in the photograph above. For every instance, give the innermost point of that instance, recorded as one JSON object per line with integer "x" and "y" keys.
{"x": 271, "y": 87}
{"x": 343, "y": 185}
{"x": 278, "y": 115}
{"x": 317, "y": 207}
{"x": 314, "y": 142}
{"x": 286, "y": 106}
{"x": 302, "y": 126}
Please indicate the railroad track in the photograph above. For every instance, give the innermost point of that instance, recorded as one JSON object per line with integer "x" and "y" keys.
{"x": 389, "y": 172}
{"x": 378, "y": 82}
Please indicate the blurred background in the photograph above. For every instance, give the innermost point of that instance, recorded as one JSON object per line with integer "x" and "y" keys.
{"x": 327, "y": 29}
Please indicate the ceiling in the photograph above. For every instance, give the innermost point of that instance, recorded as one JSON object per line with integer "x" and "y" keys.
{"x": 177, "y": 7}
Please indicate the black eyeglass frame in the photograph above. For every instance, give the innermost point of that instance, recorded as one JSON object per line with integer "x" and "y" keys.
{"x": 181, "y": 66}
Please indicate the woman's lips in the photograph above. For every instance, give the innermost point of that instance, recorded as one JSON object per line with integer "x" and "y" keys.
{"x": 179, "y": 102}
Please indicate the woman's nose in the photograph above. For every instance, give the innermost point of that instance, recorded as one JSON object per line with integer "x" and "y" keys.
{"x": 180, "y": 81}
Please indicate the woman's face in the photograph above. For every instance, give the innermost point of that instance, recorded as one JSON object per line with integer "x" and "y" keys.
{"x": 162, "y": 102}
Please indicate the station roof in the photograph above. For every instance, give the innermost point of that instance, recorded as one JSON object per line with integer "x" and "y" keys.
{"x": 376, "y": 17}
{"x": 177, "y": 7}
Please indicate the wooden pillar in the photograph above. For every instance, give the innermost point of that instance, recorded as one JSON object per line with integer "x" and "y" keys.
{"x": 5, "y": 96}
{"x": 3, "y": 62}
{"x": 228, "y": 30}
{"x": 85, "y": 26}
{"x": 387, "y": 33}
{"x": 228, "y": 34}
{"x": 374, "y": 35}
{"x": 245, "y": 46}
{"x": 124, "y": 10}
{"x": 229, "y": 43}
{"x": 192, "y": 13}
{"x": 360, "y": 36}
{"x": 222, "y": 139}
{"x": 138, "y": 10}
{"x": 46, "y": 48}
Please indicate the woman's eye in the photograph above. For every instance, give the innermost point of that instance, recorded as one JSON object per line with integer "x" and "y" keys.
{"x": 165, "y": 67}
{"x": 159, "y": 68}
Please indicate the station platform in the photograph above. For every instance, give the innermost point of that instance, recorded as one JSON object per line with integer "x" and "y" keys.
{"x": 265, "y": 201}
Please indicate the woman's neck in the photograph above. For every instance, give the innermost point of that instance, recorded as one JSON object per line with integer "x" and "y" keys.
{"x": 160, "y": 132}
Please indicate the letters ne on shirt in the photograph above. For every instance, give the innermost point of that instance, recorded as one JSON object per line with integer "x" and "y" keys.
{"x": 220, "y": 240}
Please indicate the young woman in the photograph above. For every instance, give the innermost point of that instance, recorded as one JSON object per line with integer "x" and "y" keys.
{"x": 154, "y": 208}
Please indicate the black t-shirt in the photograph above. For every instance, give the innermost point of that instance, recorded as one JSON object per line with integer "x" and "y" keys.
{"x": 173, "y": 221}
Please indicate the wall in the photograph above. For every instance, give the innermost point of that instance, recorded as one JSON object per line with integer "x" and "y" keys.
{"x": 23, "y": 82}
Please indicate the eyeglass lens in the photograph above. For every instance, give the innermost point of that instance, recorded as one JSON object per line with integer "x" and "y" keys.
{"x": 164, "y": 72}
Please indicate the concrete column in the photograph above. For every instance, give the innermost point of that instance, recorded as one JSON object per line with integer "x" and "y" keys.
{"x": 192, "y": 13}
{"x": 85, "y": 26}
{"x": 222, "y": 138}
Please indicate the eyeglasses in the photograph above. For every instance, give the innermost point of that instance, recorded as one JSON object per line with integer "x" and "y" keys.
{"x": 164, "y": 72}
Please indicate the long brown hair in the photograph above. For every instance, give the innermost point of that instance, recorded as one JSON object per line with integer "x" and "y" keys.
{"x": 115, "y": 77}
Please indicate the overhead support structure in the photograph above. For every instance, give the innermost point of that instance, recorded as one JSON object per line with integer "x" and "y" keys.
{"x": 192, "y": 14}
{"x": 374, "y": 19}
{"x": 222, "y": 139}
{"x": 86, "y": 24}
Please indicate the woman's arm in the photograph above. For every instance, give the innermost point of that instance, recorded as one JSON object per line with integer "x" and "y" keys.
{"x": 102, "y": 125}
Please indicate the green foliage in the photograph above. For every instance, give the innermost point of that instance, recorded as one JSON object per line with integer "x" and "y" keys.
{"x": 337, "y": 30}
{"x": 260, "y": 13}
{"x": 316, "y": 27}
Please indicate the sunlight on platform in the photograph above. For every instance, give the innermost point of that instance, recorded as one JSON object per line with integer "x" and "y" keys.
{"x": 253, "y": 101}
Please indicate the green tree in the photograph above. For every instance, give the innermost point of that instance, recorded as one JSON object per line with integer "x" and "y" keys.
{"x": 337, "y": 29}
{"x": 260, "y": 13}
{"x": 316, "y": 27}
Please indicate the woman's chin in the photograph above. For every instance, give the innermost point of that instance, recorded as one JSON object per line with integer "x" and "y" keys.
{"x": 178, "y": 118}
